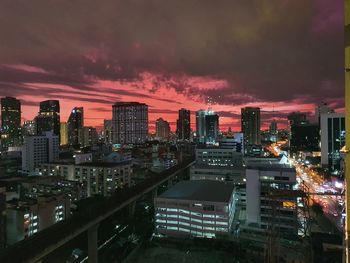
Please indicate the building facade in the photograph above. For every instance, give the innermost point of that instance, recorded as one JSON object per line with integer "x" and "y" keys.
{"x": 48, "y": 118}
{"x": 11, "y": 134}
{"x": 162, "y": 129}
{"x": 75, "y": 126}
{"x": 183, "y": 125}
{"x": 39, "y": 149}
{"x": 129, "y": 123}
{"x": 195, "y": 209}
{"x": 250, "y": 124}
{"x": 64, "y": 133}
{"x": 332, "y": 140}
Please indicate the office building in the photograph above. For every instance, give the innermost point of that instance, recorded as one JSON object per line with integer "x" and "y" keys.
{"x": 304, "y": 137}
{"x": 95, "y": 177}
{"x": 48, "y": 118}
{"x": 218, "y": 156}
{"x": 11, "y": 134}
{"x": 273, "y": 131}
{"x": 332, "y": 140}
{"x": 195, "y": 209}
{"x": 90, "y": 136}
{"x": 183, "y": 125}
{"x": 29, "y": 128}
{"x": 162, "y": 129}
{"x": 64, "y": 133}
{"x": 265, "y": 177}
{"x": 29, "y": 216}
{"x": 107, "y": 131}
{"x": 129, "y": 123}
{"x": 235, "y": 141}
{"x": 250, "y": 124}
{"x": 75, "y": 126}
{"x": 39, "y": 149}
{"x": 207, "y": 126}
{"x": 320, "y": 109}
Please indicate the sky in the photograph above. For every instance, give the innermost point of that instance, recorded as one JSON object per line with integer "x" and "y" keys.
{"x": 280, "y": 55}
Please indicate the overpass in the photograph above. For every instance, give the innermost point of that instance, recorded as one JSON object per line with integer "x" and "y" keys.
{"x": 36, "y": 247}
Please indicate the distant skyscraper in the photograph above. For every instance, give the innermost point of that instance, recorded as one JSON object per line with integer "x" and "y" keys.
{"x": 250, "y": 123}
{"x": 90, "y": 136}
{"x": 183, "y": 129}
{"x": 162, "y": 129}
{"x": 29, "y": 128}
{"x": 10, "y": 122}
{"x": 207, "y": 126}
{"x": 273, "y": 131}
{"x": 107, "y": 131}
{"x": 75, "y": 126}
{"x": 332, "y": 140}
{"x": 39, "y": 149}
{"x": 48, "y": 118}
{"x": 129, "y": 123}
{"x": 64, "y": 133}
{"x": 211, "y": 127}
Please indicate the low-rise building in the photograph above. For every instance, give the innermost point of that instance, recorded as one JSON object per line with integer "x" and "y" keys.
{"x": 24, "y": 218}
{"x": 195, "y": 208}
{"x": 96, "y": 177}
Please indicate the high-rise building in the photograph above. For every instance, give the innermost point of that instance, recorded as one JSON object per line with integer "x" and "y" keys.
{"x": 39, "y": 149}
{"x": 107, "y": 131}
{"x": 207, "y": 126}
{"x": 64, "y": 133}
{"x": 250, "y": 124}
{"x": 304, "y": 137}
{"x": 211, "y": 128}
{"x": 320, "y": 109}
{"x": 11, "y": 134}
{"x": 75, "y": 126}
{"x": 162, "y": 129}
{"x": 332, "y": 140}
{"x": 90, "y": 136}
{"x": 273, "y": 131}
{"x": 129, "y": 123}
{"x": 183, "y": 128}
{"x": 48, "y": 118}
{"x": 29, "y": 128}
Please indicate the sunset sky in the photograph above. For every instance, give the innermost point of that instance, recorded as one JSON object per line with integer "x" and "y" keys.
{"x": 282, "y": 55}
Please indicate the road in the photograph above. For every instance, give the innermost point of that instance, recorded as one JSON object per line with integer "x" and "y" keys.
{"x": 326, "y": 194}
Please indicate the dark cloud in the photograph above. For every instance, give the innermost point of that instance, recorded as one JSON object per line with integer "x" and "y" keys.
{"x": 267, "y": 50}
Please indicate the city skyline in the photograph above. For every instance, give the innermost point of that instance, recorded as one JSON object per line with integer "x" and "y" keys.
{"x": 92, "y": 62}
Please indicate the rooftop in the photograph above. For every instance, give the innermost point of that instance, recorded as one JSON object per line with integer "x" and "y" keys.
{"x": 200, "y": 190}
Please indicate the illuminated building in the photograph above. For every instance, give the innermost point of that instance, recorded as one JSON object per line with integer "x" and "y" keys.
{"x": 11, "y": 134}
{"x": 332, "y": 140}
{"x": 207, "y": 126}
{"x": 29, "y": 216}
{"x": 90, "y": 136}
{"x": 273, "y": 131}
{"x": 195, "y": 209}
{"x": 320, "y": 109}
{"x": 75, "y": 126}
{"x": 29, "y": 128}
{"x": 297, "y": 118}
{"x": 64, "y": 133}
{"x": 39, "y": 149}
{"x": 129, "y": 123}
{"x": 250, "y": 124}
{"x": 183, "y": 127}
{"x": 162, "y": 129}
{"x": 95, "y": 177}
{"x": 263, "y": 176}
{"x": 48, "y": 118}
{"x": 107, "y": 131}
